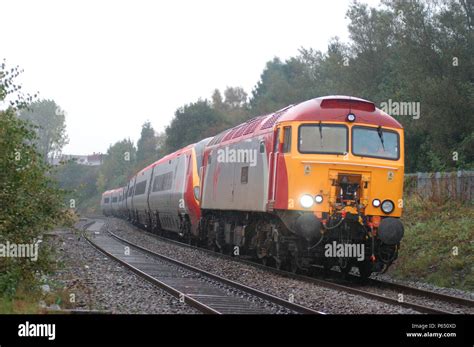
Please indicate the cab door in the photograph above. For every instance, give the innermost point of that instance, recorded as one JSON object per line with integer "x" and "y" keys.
{"x": 273, "y": 158}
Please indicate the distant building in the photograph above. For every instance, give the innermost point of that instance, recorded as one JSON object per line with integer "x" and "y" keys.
{"x": 93, "y": 159}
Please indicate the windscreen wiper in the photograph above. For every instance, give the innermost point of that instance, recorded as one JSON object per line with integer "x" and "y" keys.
{"x": 380, "y": 132}
{"x": 321, "y": 133}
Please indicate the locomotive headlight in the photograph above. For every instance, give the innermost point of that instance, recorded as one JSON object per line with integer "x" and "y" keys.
{"x": 376, "y": 202}
{"x": 306, "y": 201}
{"x": 351, "y": 117}
{"x": 318, "y": 199}
{"x": 387, "y": 206}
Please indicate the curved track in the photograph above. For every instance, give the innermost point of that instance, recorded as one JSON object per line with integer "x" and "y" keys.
{"x": 206, "y": 292}
{"x": 408, "y": 300}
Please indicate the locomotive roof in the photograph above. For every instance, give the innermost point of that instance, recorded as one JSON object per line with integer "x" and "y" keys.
{"x": 325, "y": 108}
{"x": 336, "y": 108}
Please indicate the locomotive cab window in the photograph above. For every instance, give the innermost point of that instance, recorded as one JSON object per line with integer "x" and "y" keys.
{"x": 375, "y": 142}
{"x": 322, "y": 138}
{"x": 286, "y": 139}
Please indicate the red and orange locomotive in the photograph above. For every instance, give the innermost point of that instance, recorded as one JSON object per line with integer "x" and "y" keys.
{"x": 318, "y": 183}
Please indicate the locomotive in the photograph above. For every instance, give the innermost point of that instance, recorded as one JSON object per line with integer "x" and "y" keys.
{"x": 317, "y": 183}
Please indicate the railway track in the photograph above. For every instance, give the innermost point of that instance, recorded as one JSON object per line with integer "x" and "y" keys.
{"x": 409, "y": 290}
{"x": 202, "y": 290}
{"x": 412, "y": 298}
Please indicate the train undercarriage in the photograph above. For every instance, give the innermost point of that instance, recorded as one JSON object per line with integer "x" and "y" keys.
{"x": 342, "y": 241}
{"x": 289, "y": 240}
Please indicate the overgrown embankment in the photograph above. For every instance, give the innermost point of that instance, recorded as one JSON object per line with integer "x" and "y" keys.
{"x": 438, "y": 246}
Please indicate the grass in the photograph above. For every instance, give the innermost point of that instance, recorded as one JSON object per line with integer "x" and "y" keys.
{"x": 438, "y": 246}
{"x": 27, "y": 302}
{"x": 21, "y": 290}
{"x": 23, "y": 302}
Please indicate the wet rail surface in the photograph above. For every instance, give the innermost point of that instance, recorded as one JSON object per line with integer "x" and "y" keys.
{"x": 389, "y": 297}
{"x": 204, "y": 291}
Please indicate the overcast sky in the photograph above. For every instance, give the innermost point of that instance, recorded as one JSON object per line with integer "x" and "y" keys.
{"x": 112, "y": 65}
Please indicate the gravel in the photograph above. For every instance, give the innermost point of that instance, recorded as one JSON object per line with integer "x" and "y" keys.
{"x": 307, "y": 294}
{"x": 427, "y": 286}
{"x": 99, "y": 283}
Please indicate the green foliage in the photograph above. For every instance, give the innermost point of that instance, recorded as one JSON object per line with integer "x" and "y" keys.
{"x": 282, "y": 84}
{"x": 192, "y": 123}
{"x": 50, "y": 126}
{"x": 149, "y": 146}
{"x": 432, "y": 230}
{"x": 406, "y": 51}
{"x": 118, "y": 165}
{"x": 79, "y": 181}
{"x": 30, "y": 201}
{"x": 9, "y": 87}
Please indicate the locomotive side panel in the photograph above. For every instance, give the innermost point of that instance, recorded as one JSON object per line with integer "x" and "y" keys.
{"x": 167, "y": 200}
{"x": 140, "y": 205}
{"x": 129, "y": 199}
{"x": 176, "y": 202}
{"x": 237, "y": 177}
{"x": 114, "y": 201}
{"x": 123, "y": 201}
{"x": 106, "y": 203}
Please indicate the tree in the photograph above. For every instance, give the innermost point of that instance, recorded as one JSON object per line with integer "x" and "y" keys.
{"x": 191, "y": 123}
{"x": 118, "y": 165}
{"x": 419, "y": 51}
{"x": 235, "y": 97}
{"x": 79, "y": 181}
{"x": 51, "y": 127}
{"x": 404, "y": 51}
{"x": 282, "y": 84}
{"x": 217, "y": 101}
{"x": 147, "y": 146}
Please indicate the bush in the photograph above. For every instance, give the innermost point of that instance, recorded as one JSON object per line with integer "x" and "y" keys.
{"x": 30, "y": 203}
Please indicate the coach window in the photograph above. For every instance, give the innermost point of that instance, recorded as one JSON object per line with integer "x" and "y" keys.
{"x": 286, "y": 139}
